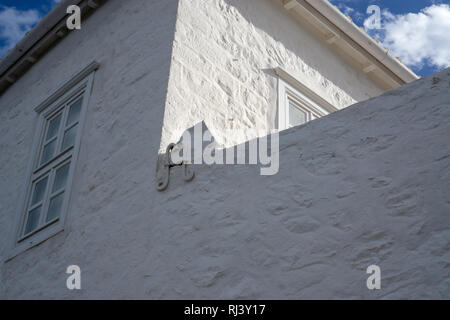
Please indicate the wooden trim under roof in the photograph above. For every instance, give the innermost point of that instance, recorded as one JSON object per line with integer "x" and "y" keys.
{"x": 351, "y": 42}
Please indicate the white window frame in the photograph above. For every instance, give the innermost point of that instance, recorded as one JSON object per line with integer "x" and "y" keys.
{"x": 79, "y": 86}
{"x": 290, "y": 88}
{"x": 288, "y": 93}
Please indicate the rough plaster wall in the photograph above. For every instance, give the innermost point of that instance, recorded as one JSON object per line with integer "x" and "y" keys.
{"x": 132, "y": 40}
{"x": 222, "y": 69}
{"x": 365, "y": 185}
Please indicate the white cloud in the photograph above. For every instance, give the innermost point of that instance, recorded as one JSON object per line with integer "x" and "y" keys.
{"x": 348, "y": 11}
{"x": 418, "y": 38}
{"x": 14, "y": 24}
{"x": 345, "y": 9}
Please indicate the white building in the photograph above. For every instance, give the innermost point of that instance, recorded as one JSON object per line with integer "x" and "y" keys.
{"x": 84, "y": 115}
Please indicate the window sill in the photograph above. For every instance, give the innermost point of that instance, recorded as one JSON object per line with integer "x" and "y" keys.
{"x": 32, "y": 240}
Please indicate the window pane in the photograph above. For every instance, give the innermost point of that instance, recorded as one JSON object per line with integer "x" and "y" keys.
{"x": 69, "y": 138}
{"x": 33, "y": 220}
{"x": 54, "y": 209}
{"x": 53, "y": 127}
{"x": 48, "y": 152}
{"x": 39, "y": 191}
{"x": 61, "y": 177}
{"x": 296, "y": 115}
{"x": 74, "y": 112}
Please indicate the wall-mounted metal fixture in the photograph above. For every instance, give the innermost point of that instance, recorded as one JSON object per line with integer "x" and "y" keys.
{"x": 163, "y": 182}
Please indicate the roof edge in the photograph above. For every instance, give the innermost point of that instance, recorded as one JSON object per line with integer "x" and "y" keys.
{"x": 335, "y": 16}
{"x": 42, "y": 36}
{"x": 35, "y": 34}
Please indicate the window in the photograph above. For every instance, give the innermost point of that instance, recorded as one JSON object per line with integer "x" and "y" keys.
{"x": 49, "y": 179}
{"x": 53, "y": 161}
{"x": 295, "y": 108}
{"x": 298, "y": 113}
{"x": 298, "y": 105}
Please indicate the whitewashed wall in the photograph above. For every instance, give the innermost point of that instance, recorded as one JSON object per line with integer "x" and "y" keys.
{"x": 222, "y": 68}
{"x": 132, "y": 40}
{"x": 366, "y": 185}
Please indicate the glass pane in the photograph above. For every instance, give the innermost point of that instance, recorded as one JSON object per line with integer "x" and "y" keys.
{"x": 53, "y": 127}
{"x": 54, "y": 209}
{"x": 61, "y": 177}
{"x": 69, "y": 137}
{"x": 74, "y": 112}
{"x": 296, "y": 115}
{"x": 48, "y": 152}
{"x": 33, "y": 220}
{"x": 39, "y": 191}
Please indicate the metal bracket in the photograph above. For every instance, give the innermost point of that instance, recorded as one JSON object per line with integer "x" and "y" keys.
{"x": 188, "y": 173}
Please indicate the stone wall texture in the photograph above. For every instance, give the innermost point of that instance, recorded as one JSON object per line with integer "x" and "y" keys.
{"x": 222, "y": 72}
{"x": 365, "y": 185}
{"x": 132, "y": 40}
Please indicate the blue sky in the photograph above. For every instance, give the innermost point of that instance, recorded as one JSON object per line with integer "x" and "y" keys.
{"x": 43, "y": 6}
{"x": 417, "y": 31}
{"x": 17, "y": 17}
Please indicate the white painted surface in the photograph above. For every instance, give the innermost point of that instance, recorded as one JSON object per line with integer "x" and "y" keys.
{"x": 366, "y": 185}
{"x": 132, "y": 41}
{"x": 224, "y": 57}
